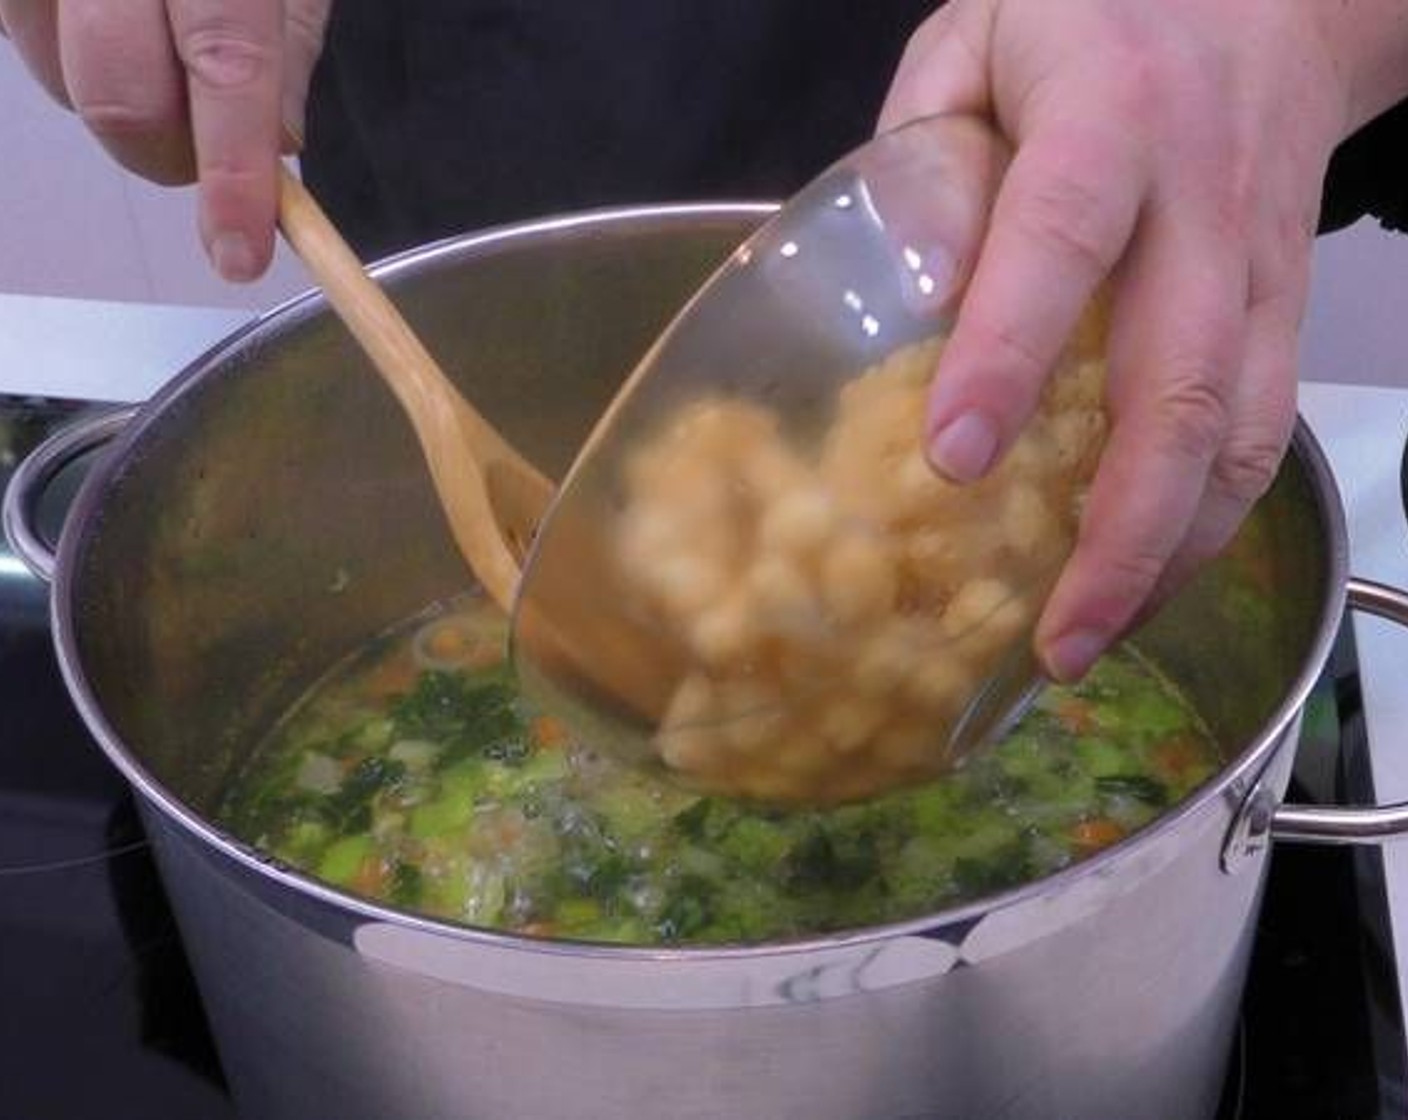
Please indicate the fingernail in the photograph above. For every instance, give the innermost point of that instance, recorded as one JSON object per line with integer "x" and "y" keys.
{"x": 964, "y": 448}
{"x": 1070, "y": 657}
{"x": 234, "y": 257}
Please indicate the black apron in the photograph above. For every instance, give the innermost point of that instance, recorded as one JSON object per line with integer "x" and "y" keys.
{"x": 431, "y": 117}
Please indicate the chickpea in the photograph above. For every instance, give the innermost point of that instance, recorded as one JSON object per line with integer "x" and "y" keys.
{"x": 694, "y": 487}
{"x": 722, "y": 634}
{"x": 881, "y": 434}
{"x": 1076, "y": 438}
{"x": 941, "y": 683}
{"x": 882, "y": 664}
{"x": 975, "y": 605}
{"x": 848, "y": 723}
{"x": 688, "y": 583}
{"x": 799, "y": 522}
{"x": 646, "y": 532}
{"x": 802, "y": 757}
{"x": 1033, "y": 456}
{"x": 1080, "y": 388}
{"x": 943, "y": 559}
{"x": 921, "y": 486}
{"x": 841, "y": 607}
{"x": 858, "y": 579}
{"x": 779, "y": 590}
{"x": 719, "y": 429}
{"x": 769, "y": 472}
{"x": 692, "y": 703}
{"x": 753, "y": 732}
{"x": 985, "y": 619}
{"x": 1028, "y": 525}
{"x": 750, "y": 716}
{"x": 692, "y": 750}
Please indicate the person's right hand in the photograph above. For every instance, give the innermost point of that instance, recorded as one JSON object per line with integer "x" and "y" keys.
{"x": 1173, "y": 154}
{"x": 210, "y": 91}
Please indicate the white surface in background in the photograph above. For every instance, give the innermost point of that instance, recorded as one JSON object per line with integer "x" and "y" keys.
{"x": 73, "y": 223}
{"x": 1356, "y": 320}
{"x": 101, "y": 351}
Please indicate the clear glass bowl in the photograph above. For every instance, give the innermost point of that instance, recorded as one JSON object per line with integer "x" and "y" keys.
{"x": 751, "y": 578}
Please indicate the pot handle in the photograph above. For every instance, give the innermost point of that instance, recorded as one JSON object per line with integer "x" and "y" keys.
{"x": 1316, "y": 825}
{"x": 33, "y": 476}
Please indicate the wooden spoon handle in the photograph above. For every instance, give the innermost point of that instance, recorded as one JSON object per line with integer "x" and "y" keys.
{"x": 462, "y": 448}
{"x": 368, "y": 313}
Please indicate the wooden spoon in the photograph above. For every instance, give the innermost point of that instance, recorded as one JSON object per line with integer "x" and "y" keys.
{"x": 493, "y": 498}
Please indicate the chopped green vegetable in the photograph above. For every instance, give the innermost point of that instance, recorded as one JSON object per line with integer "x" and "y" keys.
{"x": 687, "y": 910}
{"x": 1103, "y": 758}
{"x": 442, "y": 800}
{"x": 462, "y": 712}
{"x": 406, "y": 885}
{"x": 1141, "y": 787}
{"x": 439, "y": 817}
{"x": 343, "y": 859}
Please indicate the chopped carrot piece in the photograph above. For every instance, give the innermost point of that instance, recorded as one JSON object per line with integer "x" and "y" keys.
{"x": 549, "y": 732}
{"x": 1076, "y": 714}
{"x": 447, "y": 642}
{"x": 392, "y": 678}
{"x": 370, "y": 878}
{"x": 1096, "y": 833}
{"x": 1172, "y": 758}
{"x": 508, "y": 831}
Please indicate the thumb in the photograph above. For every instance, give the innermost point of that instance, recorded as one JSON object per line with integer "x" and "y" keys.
{"x": 305, "y": 22}
{"x": 944, "y": 68}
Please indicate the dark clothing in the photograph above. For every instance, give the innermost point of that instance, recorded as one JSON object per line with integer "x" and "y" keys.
{"x": 432, "y": 117}
{"x": 1369, "y": 175}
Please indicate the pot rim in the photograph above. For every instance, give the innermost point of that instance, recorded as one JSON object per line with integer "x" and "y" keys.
{"x": 1233, "y": 781}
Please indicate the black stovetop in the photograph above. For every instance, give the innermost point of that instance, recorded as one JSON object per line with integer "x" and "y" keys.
{"x": 100, "y": 1018}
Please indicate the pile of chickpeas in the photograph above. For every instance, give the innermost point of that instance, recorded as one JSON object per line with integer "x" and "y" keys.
{"x": 838, "y": 602}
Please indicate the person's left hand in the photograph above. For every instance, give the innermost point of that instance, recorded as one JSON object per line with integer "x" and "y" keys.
{"x": 1177, "y": 150}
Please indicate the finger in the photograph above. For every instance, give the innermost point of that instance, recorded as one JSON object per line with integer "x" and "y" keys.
{"x": 125, "y": 83}
{"x": 931, "y": 183}
{"x": 1063, "y": 216}
{"x": 944, "y": 68}
{"x": 1263, "y": 415}
{"x": 1176, "y": 343}
{"x": 33, "y": 27}
{"x": 233, "y": 79}
{"x": 304, "y": 26}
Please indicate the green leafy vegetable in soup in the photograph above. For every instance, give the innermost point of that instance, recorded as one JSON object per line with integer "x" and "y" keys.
{"x": 415, "y": 776}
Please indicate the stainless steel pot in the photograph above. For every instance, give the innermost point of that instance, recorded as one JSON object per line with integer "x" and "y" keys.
{"x": 268, "y": 511}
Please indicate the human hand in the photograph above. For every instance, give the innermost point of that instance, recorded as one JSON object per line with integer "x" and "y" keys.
{"x": 210, "y": 91}
{"x": 1177, "y": 150}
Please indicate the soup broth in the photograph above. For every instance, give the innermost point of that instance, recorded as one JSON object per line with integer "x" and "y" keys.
{"x": 414, "y": 776}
